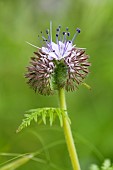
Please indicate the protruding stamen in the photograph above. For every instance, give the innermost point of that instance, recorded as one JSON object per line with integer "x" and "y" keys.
{"x": 45, "y": 40}
{"x": 78, "y": 30}
{"x": 56, "y": 35}
{"x": 66, "y": 46}
{"x": 68, "y": 34}
{"x": 64, "y": 36}
{"x": 67, "y": 29}
{"x": 75, "y": 35}
{"x": 57, "y": 38}
{"x": 47, "y": 31}
{"x": 57, "y": 29}
{"x": 58, "y": 32}
{"x": 40, "y": 38}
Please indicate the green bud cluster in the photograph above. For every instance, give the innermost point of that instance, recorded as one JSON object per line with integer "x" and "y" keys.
{"x": 59, "y": 76}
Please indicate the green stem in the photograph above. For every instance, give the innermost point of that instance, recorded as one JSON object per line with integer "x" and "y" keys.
{"x": 68, "y": 133}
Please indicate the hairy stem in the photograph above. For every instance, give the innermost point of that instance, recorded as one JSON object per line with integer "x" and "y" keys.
{"x": 68, "y": 133}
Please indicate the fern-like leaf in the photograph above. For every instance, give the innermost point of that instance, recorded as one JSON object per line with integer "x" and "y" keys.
{"x": 42, "y": 115}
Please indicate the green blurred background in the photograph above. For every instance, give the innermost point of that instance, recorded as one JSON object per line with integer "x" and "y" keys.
{"x": 91, "y": 112}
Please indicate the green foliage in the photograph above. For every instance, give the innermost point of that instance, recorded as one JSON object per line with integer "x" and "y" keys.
{"x": 41, "y": 115}
{"x": 105, "y": 166}
{"x": 17, "y": 163}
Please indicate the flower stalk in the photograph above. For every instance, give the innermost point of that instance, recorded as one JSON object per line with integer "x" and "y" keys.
{"x": 59, "y": 66}
{"x": 67, "y": 132}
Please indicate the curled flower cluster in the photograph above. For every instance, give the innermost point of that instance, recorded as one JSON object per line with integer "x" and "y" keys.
{"x": 57, "y": 65}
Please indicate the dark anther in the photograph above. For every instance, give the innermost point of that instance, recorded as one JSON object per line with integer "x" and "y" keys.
{"x": 67, "y": 29}
{"x": 47, "y": 31}
{"x": 56, "y": 35}
{"x": 53, "y": 50}
{"x": 41, "y": 32}
{"x": 45, "y": 40}
{"x": 57, "y": 29}
{"x": 78, "y": 30}
{"x": 68, "y": 33}
{"x": 59, "y": 26}
{"x": 63, "y": 33}
{"x": 69, "y": 41}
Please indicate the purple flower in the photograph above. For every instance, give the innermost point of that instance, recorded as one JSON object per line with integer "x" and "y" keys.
{"x": 57, "y": 64}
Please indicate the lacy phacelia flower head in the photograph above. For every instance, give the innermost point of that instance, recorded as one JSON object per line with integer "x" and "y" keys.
{"x": 57, "y": 64}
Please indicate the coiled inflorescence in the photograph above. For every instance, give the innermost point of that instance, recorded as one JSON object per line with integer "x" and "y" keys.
{"x": 57, "y": 65}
